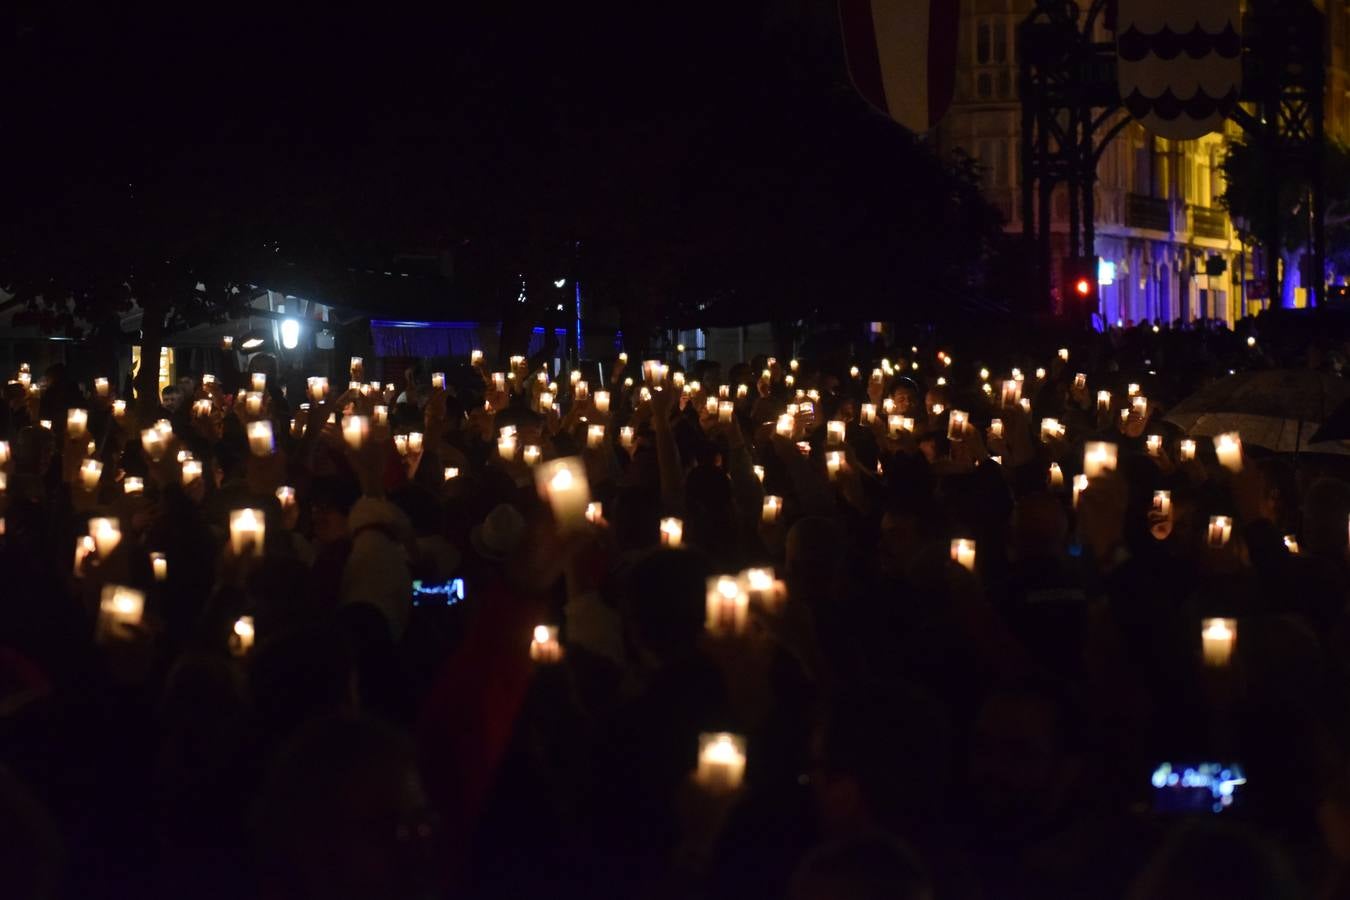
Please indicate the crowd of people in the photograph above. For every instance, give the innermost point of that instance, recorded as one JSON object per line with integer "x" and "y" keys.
{"x": 838, "y": 626}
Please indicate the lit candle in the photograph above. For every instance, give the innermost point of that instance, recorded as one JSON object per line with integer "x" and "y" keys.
{"x": 401, "y": 444}
{"x": 1186, "y": 450}
{"x": 286, "y": 497}
{"x": 119, "y": 609}
{"x": 995, "y": 429}
{"x": 937, "y": 409}
{"x": 672, "y": 532}
{"x": 581, "y": 390}
{"x": 878, "y": 376}
{"x": 897, "y": 425}
{"x": 1103, "y": 401}
{"x": 355, "y": 429}
{"x": 1217, "y": 638}
{"x": 728, "y": 606}
{"x": 475, "y": 357}
{"x": 595, "y": 436}
{"x": 208, "y": 378}
{"x": 119, "y": 410}
{"x": 241, "y": 638}
{"x": 258, "y": 381}
{"x": 91, "y": 470}
{"x": 677, "y": 379}
{"x": 153, "y": 441}
{"x": 835, "y": 432}
{"x": 517, "y": 362}
{"x": 253, "y": 403}
{"x": 451, "y": 473}
{"x": 867, "y": 413}
{"x": 1040, "y": 374}
{"x": 834, "y": 461}
{"x": 247, "y": 530}
{"x": 318, "y": 388}
{"x": 191, "y": 470}
{"x": 544, "y": 645}
{"x": 1153, "y": 443}
{"x": 1010, "y": 392}
{"x": 159, "y": 566}
{"x": 710, "y": 406}
{"x": 106, "y": 534}
{"x": 786, "y": 423}
{"x": 963, "y": 553}
{"x": 1025, "y": 403}
{"x": 356, "y": 366}
{"x": 956, "y": 425}
{"x": 1220, "y": 530}
{"x": 1162, "y": 503}
{"x": 45, "y": 424}
{"x": 1228, "y": 448}
{"x": 132, "y": 485}
{"x": 725, "y": 409}
{"x": 763, "y": 589}
{"x": 721, "y": 762}
{"x": 773, "y": 508}
{"x": 1063, "y": 354}
{"x": 499, "y": 381}
{"x": 1291, "y": 544}
{"x": 1099, "y": 458}
{"x": 202, "y": 408}
{"x": 759, "y": 473}
{"x": 438, "y": 380}
{"x": 415, "y": 442}
{"x": 531, "y": 454}
{"x": 595, "y": 512}
{"x": 742, "y": 391}
{"x": 1050, "y": 429}
{"x": 602, "y": 401}
{"x": 562, "y": 482}
{"x": 623, "y": 358}
{"x": 1080, "y": 382}
{"x": 101, "y": 387}
{"x": 1080, "y": 483}
{"x": 853, "y": 371}
{"x": 260, "y": 439}
{"x": 627, "y": 437}
{"x": 84, "y": 548}
{"x": 4, "y": 452}
{"x": 379, "y": 415}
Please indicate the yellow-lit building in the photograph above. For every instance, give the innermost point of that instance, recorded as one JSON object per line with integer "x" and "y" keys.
{"x": 1159, "y": 220}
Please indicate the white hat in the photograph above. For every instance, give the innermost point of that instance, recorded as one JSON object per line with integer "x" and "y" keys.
{"x": 499, "y": 534}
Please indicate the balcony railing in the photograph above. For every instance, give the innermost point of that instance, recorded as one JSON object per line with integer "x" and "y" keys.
{"x": 1208, "y": 222}
{"x": 1147, "y": 212}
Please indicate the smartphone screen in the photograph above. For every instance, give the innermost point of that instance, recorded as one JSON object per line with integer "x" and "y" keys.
{"x": 1203, "y": 787}
{"x": 437, "y": 593}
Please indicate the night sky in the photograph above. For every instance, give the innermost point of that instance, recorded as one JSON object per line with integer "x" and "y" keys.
{"x": 706, "y": 150}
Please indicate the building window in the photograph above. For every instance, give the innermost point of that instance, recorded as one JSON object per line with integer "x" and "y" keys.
{"x": 991, "y": 42}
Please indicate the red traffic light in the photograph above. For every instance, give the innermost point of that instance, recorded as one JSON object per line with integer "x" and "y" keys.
{"x": 1083, "y": 287}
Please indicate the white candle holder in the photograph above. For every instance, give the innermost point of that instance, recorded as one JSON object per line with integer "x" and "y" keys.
{"x": 721, "y": 762}
{"x": 963, "y": 553}
{"x": 248, "y": 528}
{"x": 1218, "y": 638}
{"x": 562, "y": 482}
{"x": 728, "y": 606}
{"x": 672, "y": 532}
{"x": 545, "y": 648}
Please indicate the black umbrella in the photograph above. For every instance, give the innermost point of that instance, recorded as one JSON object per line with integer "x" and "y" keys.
{"x": 1278, "y": 409}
